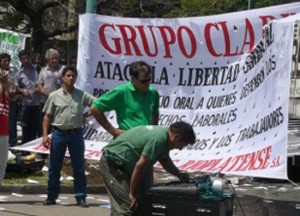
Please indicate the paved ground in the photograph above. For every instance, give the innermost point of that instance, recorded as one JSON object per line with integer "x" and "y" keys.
{"x": 254, "y": 199}
{"x": 258, "y": 197}
{"x": 267, "y": 199}
{"x": 13, "y": 204}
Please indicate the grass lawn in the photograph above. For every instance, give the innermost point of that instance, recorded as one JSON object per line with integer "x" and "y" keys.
{"x": 21, "y": 177}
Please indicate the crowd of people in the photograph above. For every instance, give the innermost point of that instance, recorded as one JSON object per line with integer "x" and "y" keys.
{"x": 50, "y": 103}
{"x": 28, "y": 88}
{"x": 23, "y": 93}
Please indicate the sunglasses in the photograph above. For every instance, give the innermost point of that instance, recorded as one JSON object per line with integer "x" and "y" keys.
{"x": 145, "y": 80}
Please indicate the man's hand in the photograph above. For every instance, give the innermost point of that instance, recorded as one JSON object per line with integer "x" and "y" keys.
{"x": 139, "y": 172}
{"x": 102, "y": 120}
{"x": 135, "y": 206}
{"x": 47, "y": 141}
{"x": 116, "y": 132}
{"x": 184, "y": 177}
{"x": 133, "y": 202}
{"x": 25, "y": 92}
{"x": 169, "y": 166}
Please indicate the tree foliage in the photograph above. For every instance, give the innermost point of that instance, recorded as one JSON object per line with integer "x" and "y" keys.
{"x": 210, "y": 7}
{"x": 42, "y": 19}
{"x": 137, "y": 8}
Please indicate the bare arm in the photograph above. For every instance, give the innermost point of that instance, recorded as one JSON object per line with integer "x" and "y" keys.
{"x": 1, "y": 89}
{"x": 90, "y": 100}
{"x": 170, "y": 167}
{"x": 87, "y": 114}
{"x": 138, "y": 174}
{"x": 42, "y": 90}
{"x": 102, "y": 120}
{"x": 155, "y": 119}
{"x": 46, "y": 125}
{"x": 23, "y": 91}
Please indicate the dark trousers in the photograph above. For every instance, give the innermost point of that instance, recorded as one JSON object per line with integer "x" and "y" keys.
{"x": 117, "y": 182}
{"x": 31, "y": 121}
{"x": 13, "y": 116}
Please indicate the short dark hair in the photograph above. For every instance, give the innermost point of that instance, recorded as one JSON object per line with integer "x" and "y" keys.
{"x": 67, "y": 68}
{"x": 72, "y": 58}
{"x": 22, "y": 53}
{"x": 135, "y": 68}
{"x": 37, "y": 55}
{"x": 4, "y": 55}
{"x": 185, "y": 131}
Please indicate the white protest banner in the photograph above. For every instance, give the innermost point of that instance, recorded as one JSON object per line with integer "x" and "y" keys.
{"x": 225, "y": 74}
{"x": 92, "y": 151}
{"x": 12, "y": 43}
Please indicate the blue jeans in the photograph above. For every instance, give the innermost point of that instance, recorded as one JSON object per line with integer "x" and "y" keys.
{"x": 75, "y": 143}
{"x": 13, "y": 115}
{"x": 31, "y": 121}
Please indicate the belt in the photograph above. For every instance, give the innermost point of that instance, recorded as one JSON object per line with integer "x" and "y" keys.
{"x": 74, "y": 130}
{"x": 113, "y": 161}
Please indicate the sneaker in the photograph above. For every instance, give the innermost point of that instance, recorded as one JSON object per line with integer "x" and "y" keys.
{"x": 49, "y": 201}
{"x": 82, "y": 202}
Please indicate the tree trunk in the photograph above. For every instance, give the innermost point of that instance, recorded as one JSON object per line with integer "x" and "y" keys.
{"x": 37, "y": 37}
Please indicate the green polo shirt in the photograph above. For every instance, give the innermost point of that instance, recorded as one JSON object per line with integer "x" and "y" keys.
{"x": 132, "y": 107}
{"x": 67, "y": 109}
{"x": 150, "y": 141}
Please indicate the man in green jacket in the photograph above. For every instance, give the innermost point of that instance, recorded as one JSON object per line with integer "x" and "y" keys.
{"x": 127, "y": 159}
